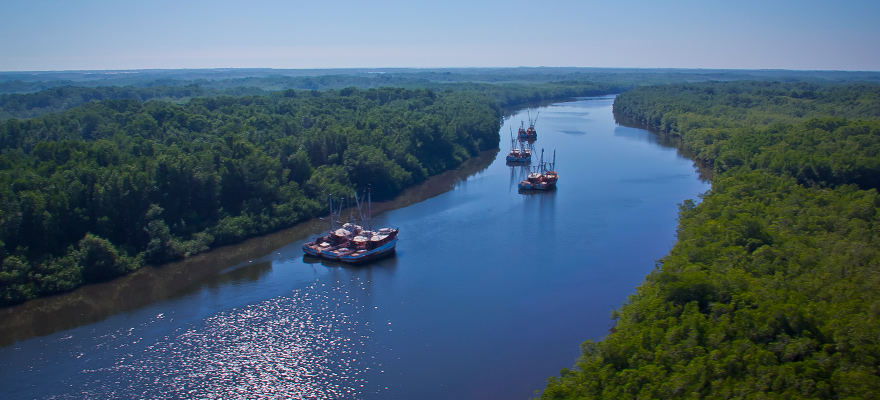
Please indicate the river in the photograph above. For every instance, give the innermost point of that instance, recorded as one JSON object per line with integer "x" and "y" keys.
{"x": 491, "y": 291}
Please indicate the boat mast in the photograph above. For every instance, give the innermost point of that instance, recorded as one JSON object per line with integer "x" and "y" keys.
{"x": 358, "y": 203}
{"x": 330, "y": 197}
{"x": 541, "y": 163}
{"x": 369, "y": 209}
{"x": 512, "y": 140}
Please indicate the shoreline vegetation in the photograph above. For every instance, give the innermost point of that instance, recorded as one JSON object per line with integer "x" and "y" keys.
{"x": 771, "y": 289}
{"x": 99, "y": 189}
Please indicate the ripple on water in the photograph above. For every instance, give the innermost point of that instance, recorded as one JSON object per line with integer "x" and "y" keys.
{"x": 306, "y": 346}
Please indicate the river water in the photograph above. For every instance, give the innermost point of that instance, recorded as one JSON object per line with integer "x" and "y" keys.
{"x": 491, "y": 291}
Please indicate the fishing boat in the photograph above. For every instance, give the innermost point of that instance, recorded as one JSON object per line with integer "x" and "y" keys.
{"x": 519, "y": 153}
{"x": 528, "y": 134}
{"x": 367, "y": 248}
{"x": 531, "y": 133}
{"x": 353, "y": 243}
{"x": 323, "y": 246}
{"x": 521, "y": 133}
{"x": 543, "y": 177}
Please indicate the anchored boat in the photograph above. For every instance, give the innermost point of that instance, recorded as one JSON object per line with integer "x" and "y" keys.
{"x": 521, "y": 132}
{"x": 531, "y": 132}
{"x": 528, "y": 134}
{"x": 353, "y": 243}
{"x": 543, "y": 177}
{"x": 519, "y": 153}
{"x": 372, "y": 246}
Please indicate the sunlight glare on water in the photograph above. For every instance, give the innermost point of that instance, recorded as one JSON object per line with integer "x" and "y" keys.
{"x": 306, "y": 346}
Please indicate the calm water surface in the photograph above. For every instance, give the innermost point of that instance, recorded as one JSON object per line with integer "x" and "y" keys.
{"x": 491, "y": 291}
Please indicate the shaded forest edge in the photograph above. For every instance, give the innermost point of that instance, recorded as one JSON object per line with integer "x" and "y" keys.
{"x": 772, "y": 288}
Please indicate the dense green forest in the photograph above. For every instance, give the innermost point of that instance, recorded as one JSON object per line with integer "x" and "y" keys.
{"x": 96, "y": 191}
{"x": 772, "y": 289}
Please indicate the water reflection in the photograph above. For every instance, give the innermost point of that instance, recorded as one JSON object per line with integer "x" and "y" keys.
{"x": 251, "y": 273}
{"x": 704, "y": 170}
{"x": 440, "y": 183}
{"x": 642, "y": 135}
{"x": 94, "y": 303}
{"x": 518, "y": 173}
{"x": 388, "y": 263}
{"x": 541, "y": 204}
{"x": 311, "y": 260}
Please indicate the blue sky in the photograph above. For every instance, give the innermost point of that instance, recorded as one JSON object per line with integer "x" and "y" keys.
{"x": 744, "y": 34}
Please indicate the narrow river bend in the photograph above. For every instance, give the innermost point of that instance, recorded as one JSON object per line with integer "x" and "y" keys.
{"x": 491, "y": 290}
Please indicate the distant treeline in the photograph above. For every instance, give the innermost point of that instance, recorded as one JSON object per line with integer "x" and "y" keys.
{"x": 338, "y": 78}
{"x": 30, "y": 94}
{"x": 56, "y": 99}
{"x": 96, "y": 191}
{"x": 66, "y": 97}
{"x": 772, "y": 288}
